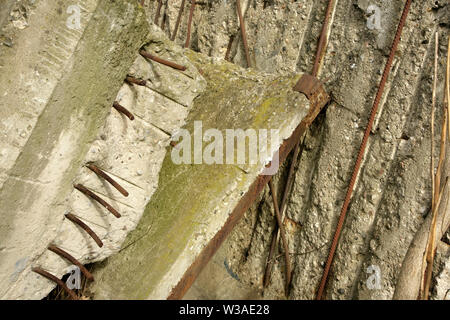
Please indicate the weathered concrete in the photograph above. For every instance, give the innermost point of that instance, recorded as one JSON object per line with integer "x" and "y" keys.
{"x": 132, "y": 152}
{"x": 58, "y": 85}
{"x": 194, "y": 201}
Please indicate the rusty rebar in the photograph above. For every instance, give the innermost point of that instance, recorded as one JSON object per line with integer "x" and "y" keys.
{"x": 60, "y": 252}
{"x": 228, "y": 52}
{"x": 161, "y": 60}
{"x": 362, "y": 148}
{"x": 283, "y": 235}
{"x": 158, "y": 10}
{"x": 105, "y": 176}
{"x": 59, "y": 282}
{"x": 85, "y": 227}
{"x": 133, "y": 80}
{"x": 243, "y": 32}
{"x": 191, "y": 13}
{"x": 177, "y": 24}
{"x": 95, "y": 197}
{"x": 123, "y": 110}
{"x": 275, "y": 233}
{"x": 322, "y": 39}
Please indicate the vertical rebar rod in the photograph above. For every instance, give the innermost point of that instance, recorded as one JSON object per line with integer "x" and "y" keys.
{"x": 283, "y": 235}
{"x": 362, "y": 149}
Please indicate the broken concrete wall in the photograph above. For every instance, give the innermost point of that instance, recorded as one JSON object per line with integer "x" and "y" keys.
{"x": 59, "y": 80}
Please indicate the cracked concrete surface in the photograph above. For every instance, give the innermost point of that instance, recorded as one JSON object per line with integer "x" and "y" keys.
{"x": 195, "y": 201}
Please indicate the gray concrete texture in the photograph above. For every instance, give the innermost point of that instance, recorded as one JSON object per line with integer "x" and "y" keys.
{"x": 392, "y": 195}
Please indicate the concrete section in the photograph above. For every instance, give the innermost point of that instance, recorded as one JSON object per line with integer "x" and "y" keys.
{"x": 5, "y": 11}
{"x": 58, "y": 84}
{"x": 193, "y": 202}
{"x": 219, "y": 281}
{"x": 132, "y": 152}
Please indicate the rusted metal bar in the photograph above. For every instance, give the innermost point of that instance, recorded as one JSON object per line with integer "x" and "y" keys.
{"x": 362, "y": 148}
{"x": 59, "y": 282}
{"x": 322, "y": 39}
{"x": 283, "y": 236}
{"x": 243, "y": 32}
{"x": 85, "y": 227}
{"x": 123, "y": 110}
{"x": 60, "y": 252}
{"x": 243, "y": 205}
{"x": 158, "y": 11}
{"x": 191, "y": 13}
{"x": 105, "y": 176}
{"x": 133, "y": 80}
{"x": 177, "y": 24}
{"x": 92, "y": 195}
{"x": 161, "y": 60}
{"x": 269, "y": 262}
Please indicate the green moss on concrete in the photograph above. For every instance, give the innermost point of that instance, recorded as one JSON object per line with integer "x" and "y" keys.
{"x": 182, "y": 207}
